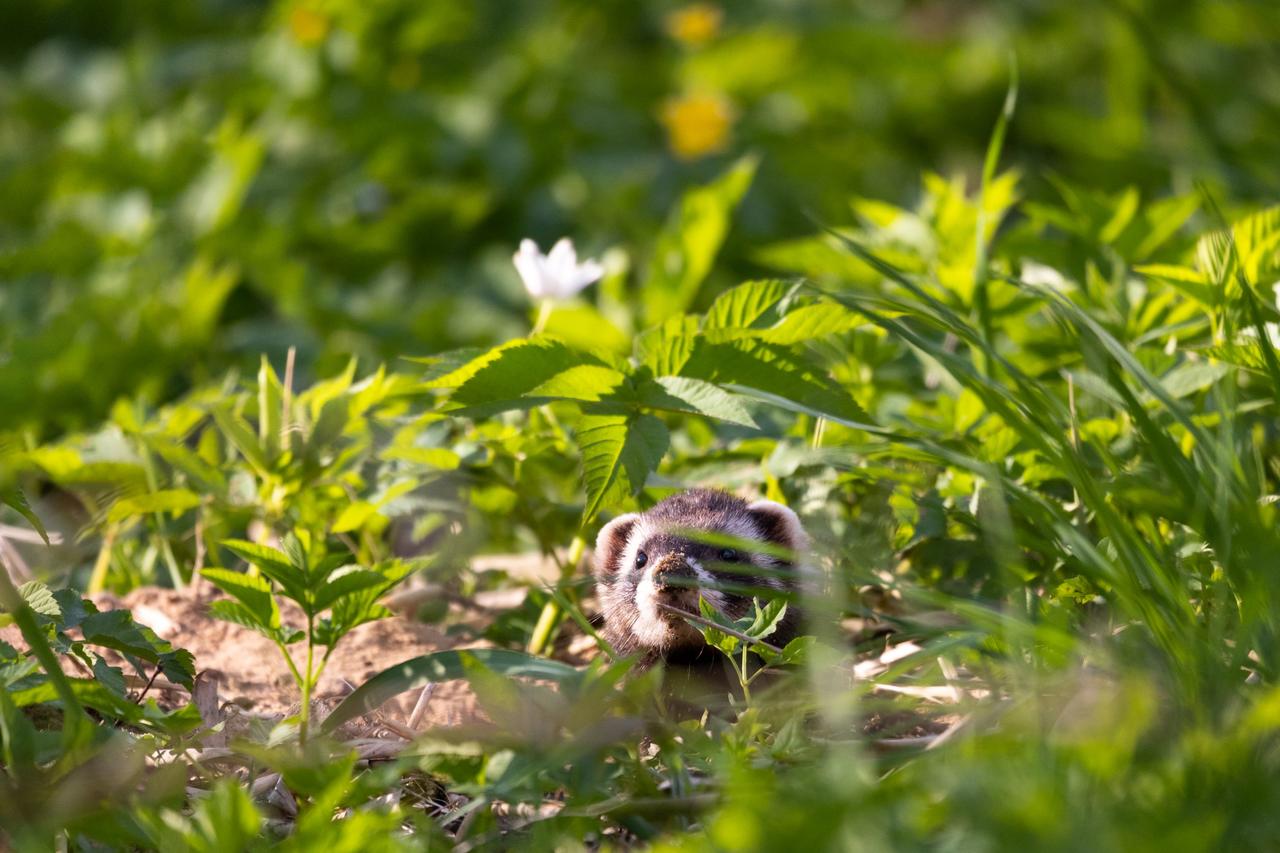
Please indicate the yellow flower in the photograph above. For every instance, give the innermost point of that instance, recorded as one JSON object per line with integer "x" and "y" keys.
{"x": 697, "y": 124}
{"x": 309, "y": 26}
{"x": 695, "y": 24}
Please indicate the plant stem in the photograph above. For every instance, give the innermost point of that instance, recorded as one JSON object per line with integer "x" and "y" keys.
{"x": 707, "y": 623}
{"x": 544, "y": 314}
{"x": 98, "y": 579}
{"x": 549, "y": 618}
{"x": 307, "y": 683}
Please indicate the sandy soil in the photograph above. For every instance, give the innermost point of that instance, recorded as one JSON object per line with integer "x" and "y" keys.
{"x": 253, "y": 675}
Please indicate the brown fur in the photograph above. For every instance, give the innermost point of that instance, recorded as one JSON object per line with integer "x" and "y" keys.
{"x": 680, "y": 568}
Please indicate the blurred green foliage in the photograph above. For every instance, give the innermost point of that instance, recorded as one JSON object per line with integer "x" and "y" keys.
{"x": 186, "y": 186}
{"x": 1020, "y": 387}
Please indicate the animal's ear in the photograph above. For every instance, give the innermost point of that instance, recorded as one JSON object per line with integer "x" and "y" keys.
{"x": 780, "y": 525}
{"x": 611, "y": 542}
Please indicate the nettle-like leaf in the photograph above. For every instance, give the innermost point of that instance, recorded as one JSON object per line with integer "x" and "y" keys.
{"x": 1249, "y": 248}
{"x": 775, "y": 374}
{"x": 694, "y": 396}
{"x": 752, "y": 305}
{"x": 517, "y": 368}
{"x": 39, "y": 598}
{"x": 115, "y": 629}
{"x": 253, "y": 605}
{"x": 618, "y": 454}
{"x": 667, "y": 348}
{"x": 353, "y": 594}
{"x": 276, "y": 565}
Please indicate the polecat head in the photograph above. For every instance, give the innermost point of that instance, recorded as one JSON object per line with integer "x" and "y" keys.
{"x": 646, "y": 559}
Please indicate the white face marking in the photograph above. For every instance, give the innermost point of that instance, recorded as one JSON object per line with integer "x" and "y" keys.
{"x": 714, "y": 597}
{"x": 650, "y": 627}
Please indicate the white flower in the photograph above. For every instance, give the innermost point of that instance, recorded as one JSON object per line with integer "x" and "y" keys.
{"x": 556, "y": 275}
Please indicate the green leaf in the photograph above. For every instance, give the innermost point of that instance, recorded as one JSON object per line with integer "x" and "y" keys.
{"x": 714, "y": 637}
{"x": 334, "y": 416}
{"x": 270, "y": 410}
{"x": 443, "y": 666}
{"x": 773, "y": 374}
{"x": 754, "y": 304}
{"x": 14, "y": 498}
{"x": 259, "y": 555}
{"x": 165, "y": 500}
{"x": 685, "y": 394}
{"x": 690, "y": 240}
{"x": 345, "y": 585}
{"x": 667, "y": 348}
{"x": 115, "y": 629}
{"x": 201, "y": 473}
{"x": 517, "y": 368}
{"x": 87, "y": 691}
{"x": 765, "y": 619}
{"x": 237, "y": 432}
{"x": 812, "y": 323}
{"x": 618, "y": 454}
{"x": 253, "y": 593}
{"x": 39, "y": 598}
{"x": 586, "y": 383}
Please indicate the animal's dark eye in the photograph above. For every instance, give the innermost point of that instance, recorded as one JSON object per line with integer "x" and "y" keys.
{"x": 728, "y": 555}
{"x": 641, "y": 559}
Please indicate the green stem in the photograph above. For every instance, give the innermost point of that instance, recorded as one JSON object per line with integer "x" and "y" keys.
{"x": 98, "y": 579}
{"x": 549, "y": 618}
{"x": 307, "y": 683}
{"x": 162, "y": 527}
{"x": 544, "y": 314}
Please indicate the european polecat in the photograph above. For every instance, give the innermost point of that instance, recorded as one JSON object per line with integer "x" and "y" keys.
{"x": 644, "y": 559}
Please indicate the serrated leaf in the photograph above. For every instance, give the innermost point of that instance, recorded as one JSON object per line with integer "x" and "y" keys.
{"x": 115, "y": 629}
{"x": 39, "y": 598}
{"x": 110, "y": 677}
{"x": 165, "y": 500}
{"x": 812, "y": 323}
{"x": 754, "y": 304}
{"x": 262, "y": 556}
{"x": 253, "y": 593}
{"x": 667, "y": 348}
{"x": 775, "y": 375}
{"x": 518, "y": 368}
{"x": 685, "y": 394}
{"x": 714, "y": 637}
{"x": 586, "y": 382}
{"x": 618, "y": 454}
{"x": 344, "y": 585}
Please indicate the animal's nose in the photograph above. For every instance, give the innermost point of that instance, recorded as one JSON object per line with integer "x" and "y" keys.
{"x": 673, "y": 570}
